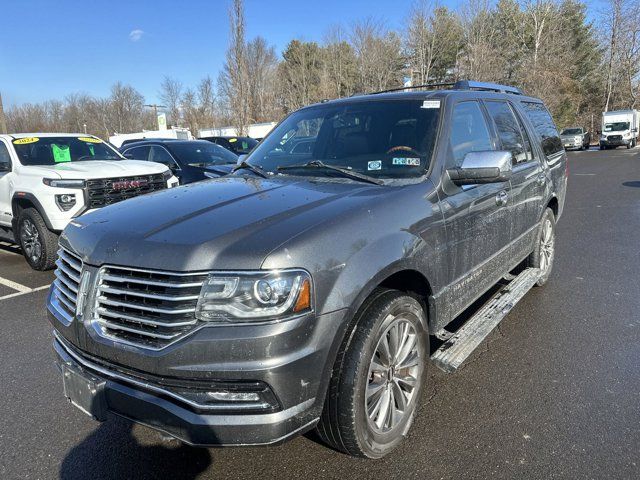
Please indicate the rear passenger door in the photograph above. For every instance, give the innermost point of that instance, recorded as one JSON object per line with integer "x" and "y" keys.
{"x": 527, "y": 178}
{"x": 476, "y": 216}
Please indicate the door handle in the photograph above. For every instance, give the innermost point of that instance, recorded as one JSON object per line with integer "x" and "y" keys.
{"x": 501, "y": 198}
{"x": 541, "y": 179}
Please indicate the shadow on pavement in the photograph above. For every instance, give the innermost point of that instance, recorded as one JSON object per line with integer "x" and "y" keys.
{"x": 634, "y": 183}
{"x": 112, "y": 451}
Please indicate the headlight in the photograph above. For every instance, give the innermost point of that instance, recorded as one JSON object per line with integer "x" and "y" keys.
{"x": 254, "y": 296}
{"x": 603, "y": 138}
{"x": 54, "y": 182}
{"x": 167, "y": 175}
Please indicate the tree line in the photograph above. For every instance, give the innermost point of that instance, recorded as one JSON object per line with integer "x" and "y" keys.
{"x": 549, "y": 48}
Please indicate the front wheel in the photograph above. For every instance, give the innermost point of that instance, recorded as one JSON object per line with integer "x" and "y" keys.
{"x": 38, "y": 243}
{"x": 544, "y": 252}
{"x": 378, "y": 377}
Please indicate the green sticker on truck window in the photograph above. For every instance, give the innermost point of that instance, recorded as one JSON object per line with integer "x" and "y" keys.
{"x": 61, "y": 153}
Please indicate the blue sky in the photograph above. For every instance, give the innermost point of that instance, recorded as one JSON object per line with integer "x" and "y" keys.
{"x": 49, "y": 49}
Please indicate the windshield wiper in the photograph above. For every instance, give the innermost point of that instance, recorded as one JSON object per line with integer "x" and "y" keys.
{"x": 253, "y": 168}
{"x": 343, "y": 171}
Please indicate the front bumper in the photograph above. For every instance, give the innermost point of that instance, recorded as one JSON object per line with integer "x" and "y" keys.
{"x": 615, "y": 143}
{"x": 298, "y": 385}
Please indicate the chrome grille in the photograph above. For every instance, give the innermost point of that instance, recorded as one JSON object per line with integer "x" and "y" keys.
{"x": 144, "y": 307}
{"x": 65, "y": 285}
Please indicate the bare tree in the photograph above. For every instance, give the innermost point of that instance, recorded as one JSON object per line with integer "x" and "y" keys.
{"x": 261, "y": 69}
{"x": 379, "y": 57}
{"x": 234, "y": 79}
{"x": 171, "y": 94}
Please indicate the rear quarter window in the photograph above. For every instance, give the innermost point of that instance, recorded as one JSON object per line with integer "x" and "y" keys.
{"x": 543, "y": 124}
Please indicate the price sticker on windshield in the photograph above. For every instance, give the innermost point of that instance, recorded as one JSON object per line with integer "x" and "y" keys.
{"x": 24, "y": 141}
{"x": 431, "y": 104}
{"x": 89, "y": 139}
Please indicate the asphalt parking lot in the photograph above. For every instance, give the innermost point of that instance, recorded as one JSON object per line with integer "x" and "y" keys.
{"x": 553, "y": 393}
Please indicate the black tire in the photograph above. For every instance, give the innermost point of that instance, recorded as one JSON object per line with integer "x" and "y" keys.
{"x": 39, "y": 244}
{"x": 536, "y": 260}
{"x": 601, "y": 147}
{"x": 345, "y": 423}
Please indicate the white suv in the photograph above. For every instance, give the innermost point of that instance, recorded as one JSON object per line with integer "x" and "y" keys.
{"x": 47, "y": 179}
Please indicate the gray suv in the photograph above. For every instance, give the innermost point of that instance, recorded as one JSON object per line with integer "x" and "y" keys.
{"x": 305, "y": 289}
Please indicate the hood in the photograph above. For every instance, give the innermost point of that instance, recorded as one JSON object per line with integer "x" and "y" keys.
{"x": 98, "y": 169}
{"x": 229, "y": 223}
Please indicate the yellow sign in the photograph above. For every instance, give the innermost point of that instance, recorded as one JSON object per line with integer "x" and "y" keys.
{"x": 90, "y": 139}
{"x": 22, "y": 141}
{"x": 231, "y": 140}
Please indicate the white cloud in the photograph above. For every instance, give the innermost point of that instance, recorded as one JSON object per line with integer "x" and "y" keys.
{"x": 136, "y": 35}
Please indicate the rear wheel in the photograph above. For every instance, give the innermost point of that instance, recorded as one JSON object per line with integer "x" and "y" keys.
{"x": 544, "y": 252}
{"x": 378, "y": 378}
{"x": 38, "y": 243}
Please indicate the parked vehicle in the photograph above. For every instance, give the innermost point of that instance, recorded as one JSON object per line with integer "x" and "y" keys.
{"x": 619, "y": 128}
{"x": 189, "y": 160}
{"x": 237, "y": 145}
{"x": 302, "y": 291}
{"x": 575, "y": 137}
{"x": 176, "y": 133}
{"x": 48, "y": 179}
{"x": 254, "y": 130}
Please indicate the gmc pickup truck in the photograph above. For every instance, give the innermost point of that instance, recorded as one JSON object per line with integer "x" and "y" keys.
{"x": 303, "y": 290}
{"x": 47, "y": 179}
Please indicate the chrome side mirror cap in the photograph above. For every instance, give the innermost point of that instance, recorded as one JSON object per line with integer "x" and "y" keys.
{"x": 482, "y": 167}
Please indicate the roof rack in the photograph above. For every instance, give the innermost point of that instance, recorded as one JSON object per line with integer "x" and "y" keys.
{"x": 414, "y": 87}
{"x": 492, "y": 87}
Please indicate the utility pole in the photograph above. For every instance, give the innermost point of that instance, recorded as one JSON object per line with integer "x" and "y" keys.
{"x": 3, "y": 120}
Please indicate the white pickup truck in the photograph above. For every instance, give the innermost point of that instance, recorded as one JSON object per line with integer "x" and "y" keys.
{"x": 47, "y": 179}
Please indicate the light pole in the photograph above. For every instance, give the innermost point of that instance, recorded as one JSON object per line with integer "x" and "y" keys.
{"x": 155, "y": 107}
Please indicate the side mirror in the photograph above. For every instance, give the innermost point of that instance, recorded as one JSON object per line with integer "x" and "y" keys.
{"x": 5, "y": 167}
{"x": 482, "y": 167}
{"x": 129, "y": 156}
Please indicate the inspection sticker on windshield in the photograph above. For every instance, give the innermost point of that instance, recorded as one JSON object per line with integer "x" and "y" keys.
{"x": 89, "y": 139}
{"x": 374, "y": 165}
{"x": 22, "y": 141}
{"x": 431, "y": 104}
{"x": 407, "y": 162}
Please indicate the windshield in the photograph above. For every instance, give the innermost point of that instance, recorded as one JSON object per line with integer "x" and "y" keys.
{"x": 242, "y": 145}
{"x": 571, "y": 131}
{"x": 55, "y": 150}
{"x": 616, "y": 126}
{"x": 202, "y": 153}
{"x": 383, "y": 138}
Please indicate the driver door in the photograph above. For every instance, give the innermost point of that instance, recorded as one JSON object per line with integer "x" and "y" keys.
{"x": 476, "y": 217}
{"x": 5, "y": 185}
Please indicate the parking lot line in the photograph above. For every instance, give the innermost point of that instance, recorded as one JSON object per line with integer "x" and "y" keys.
{"x": 14, "y": 285}
{"x": 30, "y": 290}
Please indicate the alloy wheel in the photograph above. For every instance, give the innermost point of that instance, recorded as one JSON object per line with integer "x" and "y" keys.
{"x": 395, "y": 372}
{"x": 30, "y": 239}
{"x": 547, "y": 241}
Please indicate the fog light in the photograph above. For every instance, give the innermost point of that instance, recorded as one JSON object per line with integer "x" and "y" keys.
{"x": 235, "y": 396}
{"x": 66, "y": 201}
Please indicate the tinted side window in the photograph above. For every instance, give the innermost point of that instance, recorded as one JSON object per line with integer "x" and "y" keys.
{"x": 138, "y": 153}
{"x": 4, "y": 155}
{"x": 543, "y": 123}
{"x": 469, "y": 132}
{"x": 509, "y": 131}
{"x": 160, "y": 155}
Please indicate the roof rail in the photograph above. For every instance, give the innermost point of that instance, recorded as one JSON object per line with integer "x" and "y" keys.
{"x": 493, "y": 87}
{"x": 414, "y": 87}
